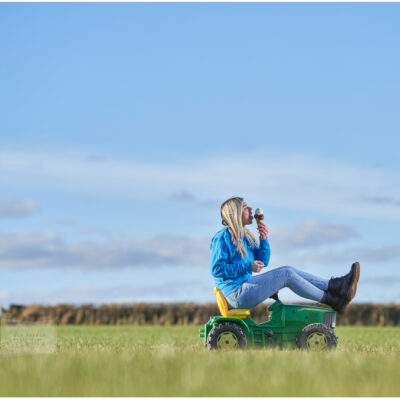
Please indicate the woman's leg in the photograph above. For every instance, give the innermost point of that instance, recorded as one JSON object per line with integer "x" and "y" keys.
{"x": 320, "y": 283}
{"x": 261, "y": 287}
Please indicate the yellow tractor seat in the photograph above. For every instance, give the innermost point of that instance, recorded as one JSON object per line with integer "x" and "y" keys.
{"x": 223, "y": 307}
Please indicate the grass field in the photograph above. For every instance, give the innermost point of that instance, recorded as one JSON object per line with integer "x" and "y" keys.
{"x": 171, "y": 361}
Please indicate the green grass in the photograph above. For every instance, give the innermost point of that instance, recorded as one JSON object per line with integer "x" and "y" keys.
{"x": 172, "y": 361}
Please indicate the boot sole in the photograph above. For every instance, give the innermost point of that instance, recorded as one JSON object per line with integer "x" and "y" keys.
{"x": 353, "y": 288}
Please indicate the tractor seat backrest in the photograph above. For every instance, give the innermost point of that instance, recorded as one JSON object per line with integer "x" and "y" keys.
{"x": 224, "y": 310}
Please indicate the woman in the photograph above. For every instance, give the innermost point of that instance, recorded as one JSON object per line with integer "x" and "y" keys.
{"x": 236, "y": 254}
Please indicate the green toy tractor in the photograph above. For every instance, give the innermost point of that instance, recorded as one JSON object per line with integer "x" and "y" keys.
{"x": 304, "y": 327}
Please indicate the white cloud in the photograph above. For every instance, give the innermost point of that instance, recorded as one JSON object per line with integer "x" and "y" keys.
{"x": 187, "y": 197}
{"x": 377, "y": 254}
{"x": 14, "y": 208}
{"x": 295, "y": 181}
{"x": 39, "y": 250}
{"x": 309, "y": 233}
{"x": 308, "y": 242}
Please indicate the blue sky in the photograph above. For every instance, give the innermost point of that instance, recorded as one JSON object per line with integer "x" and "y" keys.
{"x": 123, "y": 126}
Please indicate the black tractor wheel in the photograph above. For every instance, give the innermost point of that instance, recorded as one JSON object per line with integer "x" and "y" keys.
{"x": 316, "y": 337}
{"x": 226, "y": 335}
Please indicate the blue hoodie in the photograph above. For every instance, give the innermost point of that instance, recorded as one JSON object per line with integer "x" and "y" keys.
{"x": 228, "y": 267}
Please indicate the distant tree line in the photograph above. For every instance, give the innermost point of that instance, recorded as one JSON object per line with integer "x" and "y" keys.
{"x": 179, "y": 314}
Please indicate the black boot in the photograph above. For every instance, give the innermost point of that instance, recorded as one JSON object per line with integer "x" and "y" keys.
{"x": 346, "y": 285}
{"x": 333, "y": 300}
{"x": 274, "y": 296}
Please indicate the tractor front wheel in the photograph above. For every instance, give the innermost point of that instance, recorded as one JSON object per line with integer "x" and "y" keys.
{"x": 316, "y": 337}
{"x": 226, "y": 335}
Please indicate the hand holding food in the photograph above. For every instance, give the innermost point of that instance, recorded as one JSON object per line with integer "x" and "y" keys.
{"x": 261, "y": 227}
{"x": 257, "y": 266}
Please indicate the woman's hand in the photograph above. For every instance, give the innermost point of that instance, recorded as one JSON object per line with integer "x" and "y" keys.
{"x": 263, "y": 230}
{"x": 257, "y": 266}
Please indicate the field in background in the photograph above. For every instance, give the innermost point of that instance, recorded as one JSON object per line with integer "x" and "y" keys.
{"x": 171, "y": 361}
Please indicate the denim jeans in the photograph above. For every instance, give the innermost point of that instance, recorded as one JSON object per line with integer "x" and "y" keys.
{"x": 260, "y": 287}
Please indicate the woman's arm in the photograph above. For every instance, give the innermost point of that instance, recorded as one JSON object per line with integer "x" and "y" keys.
{"x": 220, "y": 265}
{"x": 263, "y": 253}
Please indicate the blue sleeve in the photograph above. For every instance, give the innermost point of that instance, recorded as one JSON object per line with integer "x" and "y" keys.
{"x": 263, "y": 253}
{"x": 220, "y": 265}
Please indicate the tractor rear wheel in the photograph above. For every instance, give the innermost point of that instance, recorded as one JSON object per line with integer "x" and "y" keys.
{"x": 316, "y": 337}
{"x": 226, "y": 335}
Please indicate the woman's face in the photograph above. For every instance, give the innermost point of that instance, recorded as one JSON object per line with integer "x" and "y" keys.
{"x": 247, "y": 217}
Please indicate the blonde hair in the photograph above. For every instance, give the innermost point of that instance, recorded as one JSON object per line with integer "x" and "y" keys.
{"x": 231, "y": 214}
